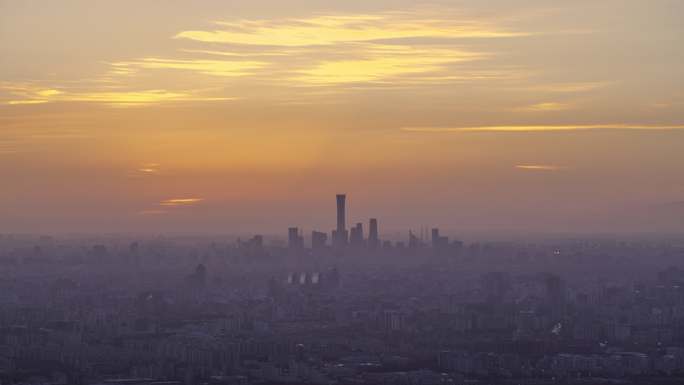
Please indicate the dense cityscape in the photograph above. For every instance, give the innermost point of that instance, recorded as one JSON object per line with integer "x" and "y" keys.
{"x": 352, "y": 308}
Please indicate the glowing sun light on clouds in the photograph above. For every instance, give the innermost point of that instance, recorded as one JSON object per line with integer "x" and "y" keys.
{"x": 180, "y": 201}
{"x": 335, "y": 29}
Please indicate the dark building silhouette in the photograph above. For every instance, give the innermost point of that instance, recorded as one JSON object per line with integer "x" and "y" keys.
{"x": 373, "y": 240}
{"x": 439, "y": 242}
{"x": 294, "y": 240}
{"x": 341, "y": 212}
{"x": 340, "y": 236}
{"x": 254, "y": 245}
{"x": 356, "y": 235}
{"x": 318, "y": 240}
{"x": 414, "y": 242}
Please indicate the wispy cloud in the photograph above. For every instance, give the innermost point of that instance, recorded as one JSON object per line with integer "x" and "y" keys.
{"x": 335, "y": 29}
{"x": 546, "y": 107}
{"x": 385, "y": 62}
{"x": 234, "y": 54}
{"x": 563, "y": 88}
{"x": 544, "y": 128}
{"x": 227, "y": 68}
{"x": 410, "y": 49}
{"x": 26, "y": 102}
{"x": 149, "y": 168}
{"x": 36, "y": 94}
{"x": 538, "y": 167}
{"x": 338, "y": 49}
{"x": 168, "y": 206}
{"x": 180, "y": 201}
{"x": 416, "y": 48}
{"x": 133, "y": 98}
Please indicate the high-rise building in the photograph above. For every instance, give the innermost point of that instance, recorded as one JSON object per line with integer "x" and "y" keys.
{"x": 318, "y": 240}
{"x": 439, "y": 242}
{"x": 254, "y": 244}
{"x": 373, "y": 240}
{"x": 356, "y": 235}
{"x": 340, "y": 235}
{"x": 294, "y": 240}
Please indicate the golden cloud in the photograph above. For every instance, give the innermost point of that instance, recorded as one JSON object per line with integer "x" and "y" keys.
{"x": 149, "y": 168}
{"x": 546, "y": 107}
{"x": 180, "y": 201}
{"x": 386, "y": 49}
{"x": 208, "y": 67}
{"x": 563, "y": 88}
{"x": 20, "y": 102}
{"x": 384, "y": 62}
{"x": 33, "y": 94}
{"x": 336, "y": 29}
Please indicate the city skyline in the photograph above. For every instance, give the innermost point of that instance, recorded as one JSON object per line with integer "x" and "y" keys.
{"x": 355, "y": 238}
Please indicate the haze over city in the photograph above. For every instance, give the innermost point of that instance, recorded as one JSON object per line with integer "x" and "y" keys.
{"x": 240, "y": 117}
{"x": 269, "y": 192}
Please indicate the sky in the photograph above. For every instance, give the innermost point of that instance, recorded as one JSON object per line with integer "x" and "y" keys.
{"x": 240, "y": 117}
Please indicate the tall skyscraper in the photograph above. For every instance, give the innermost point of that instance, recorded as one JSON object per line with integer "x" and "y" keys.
{"x": 341, "y": 213}
{"x": 373, "y": 240}
{"x": 341, "y": 230}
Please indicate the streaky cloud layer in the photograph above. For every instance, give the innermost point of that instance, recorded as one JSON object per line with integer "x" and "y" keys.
{"x": 335, "y": 29}
{"x": 538, "y": 167}
{"x": 544, "y": 128}
{"x": 180, "y": 201}
{"x": 207, "y": 67}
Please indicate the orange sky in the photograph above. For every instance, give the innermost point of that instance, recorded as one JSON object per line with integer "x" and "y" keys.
{"x": 199, "y": 116}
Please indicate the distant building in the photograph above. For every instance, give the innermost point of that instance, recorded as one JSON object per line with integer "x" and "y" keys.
{"x": 294, "y": 240}
{"x": 318, "y": 240}
{"x": 414, "y": 242}
{"x": 439, "y": 242}
{"x": 340, "y": 235}
{"x": 356, "y": 236}
{"x": 373, "y": 240}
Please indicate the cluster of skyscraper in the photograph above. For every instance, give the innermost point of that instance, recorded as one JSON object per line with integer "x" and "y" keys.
{"x": 341, "y": 237}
